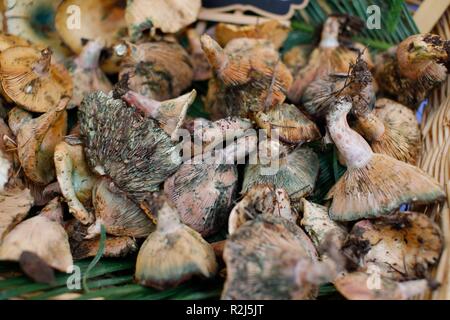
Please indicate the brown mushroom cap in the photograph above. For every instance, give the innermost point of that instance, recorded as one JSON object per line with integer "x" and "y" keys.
{"x": 173, "y": 254}
{"x": 157, "y": 70}
{"x": 291, "y": 124}
{"x": 52, "y": 246}
{"x": 14, "y": 207}
{"x": 8, "y": 40}
{"x": 104, "y": 19}
{"x": 272, "y": 30}
{"x": 402, "y": 246}
{"x": 170, "y": 16}
{"x": 30, "y": 79}
{"x": 263, "y": 258}
{"x": 36, "y": 142}
{"x": 119, "y": 215}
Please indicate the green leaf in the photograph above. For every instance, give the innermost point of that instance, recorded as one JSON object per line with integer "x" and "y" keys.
{"x": 97, "y": 258}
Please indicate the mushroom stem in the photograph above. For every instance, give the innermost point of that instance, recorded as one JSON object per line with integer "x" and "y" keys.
{"x": 147, "y": 106}
{"x": 215, "y": 54}
{"x": 90, "y": 56}
{"x": 43, "y": 65}
{"x": 330, "y": 33}
{"x": 355, "y": 150}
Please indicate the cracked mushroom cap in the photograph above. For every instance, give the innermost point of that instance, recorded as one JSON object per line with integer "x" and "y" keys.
{"x": 124, "y": 145}
{"x": 75, "y": 179}
{"x": 291, "y": 124}
{"x": 30, "y": 79}
{"x": 264, "y": 260}
{"x": 52, "y": 246}
{"x": 261, "y": 199}
{"x": 169, "y": 16}
{"x": 120, "y": 216}
{"x": 77, "y": 20}
{"x": 272, "y": 30}
{"x": 14, "y": 206}
{"x": 174, "y": 253}
{"x": 403, "y": 246}
{"x": 157, "y": 70}
{"x": 36, "y": 142}
{"x": 33, "y": 20}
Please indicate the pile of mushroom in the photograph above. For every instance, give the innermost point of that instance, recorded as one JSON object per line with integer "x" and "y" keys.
{"x": 101, "y": 138}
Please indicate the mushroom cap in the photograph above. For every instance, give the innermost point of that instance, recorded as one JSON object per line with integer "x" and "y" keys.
{"x": 122, "y": 144}
{"x": 119, "y": 215}
{"x": 36, "y": 142}
{"x": 9, "y": 40}
{"x": 104, "y": 19}
{"x": 319, "y": 226}
{"x": 203, "y": 194}
{"x": 262, "y": 259}
{"x": 379, "y": 188}
{"x": 75, "y": 179}
{"x": 297, "y": 57}
{"x": 29, "y": 78}
{"x": 272, "y": 30}
{"x": 202, "y": 69}
{"x": 261, "y": 199}
{"x": 52, "y": 246}
{"x": 173, "y": 253}
{"x": 291, "y": 124}
{"x": 296, "y": 173}
{"x": 402, "y": 137}
{"x": 170, "y": 16}
{"x": 358, "y": 286}
{"x": 403, "y": 246}
{"x": 18, "y": 117}
{"x": 14, "y": 207}
{"x": 157, "y": 70}
{"x": 33, "y": 20}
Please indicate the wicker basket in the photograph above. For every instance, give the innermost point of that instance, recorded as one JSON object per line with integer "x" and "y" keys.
{"x": 435, "y": 160}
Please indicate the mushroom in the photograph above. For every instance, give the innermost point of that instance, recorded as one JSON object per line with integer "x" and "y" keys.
{"x": 295, "y": 172}
{"x": 122, "y": 144}
{"x": 363, "y": 286}
{"x": 81, "y": 248}
{"x": 397, "y": 136}
{"x": 75, "y": 179}
{"x": 261, "y": 199}
{"x": 86, "y": 74}
{"x": 6, "y": 157}
{"x": 249, "y": 77}
{"x": 202, "y": 69}
{"x": 374, "y": 184}
{"x": 170, "y": 114}
{"x": 320, "y": 227}
{"x": 270, "y": 257}
{"x": 291, "y": 125}
{"x": 36, "y": 142}
{"x": 17, "y": 117}
{"x": 411, "y": 70}
{"x": 332, "y": 56}
{"x": 52, "y": 246}
{"x": 296, "y": 58}
{"x": 174, "y": 253}
{"x": 157, "y": 70}
{"x": 120, "y": 216}
{"x": 30, "y": 79}
{"x": 202, "y": 189}
{"x": 33, "y": 20}
{"x": 14, "y": 206}
{"x": 169, "y": 16}
{"x": 272, "y": 30}
{"x": 403, "y": 246}
{"x": 79, "y": 20}
{"x": 8, "y": 40}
